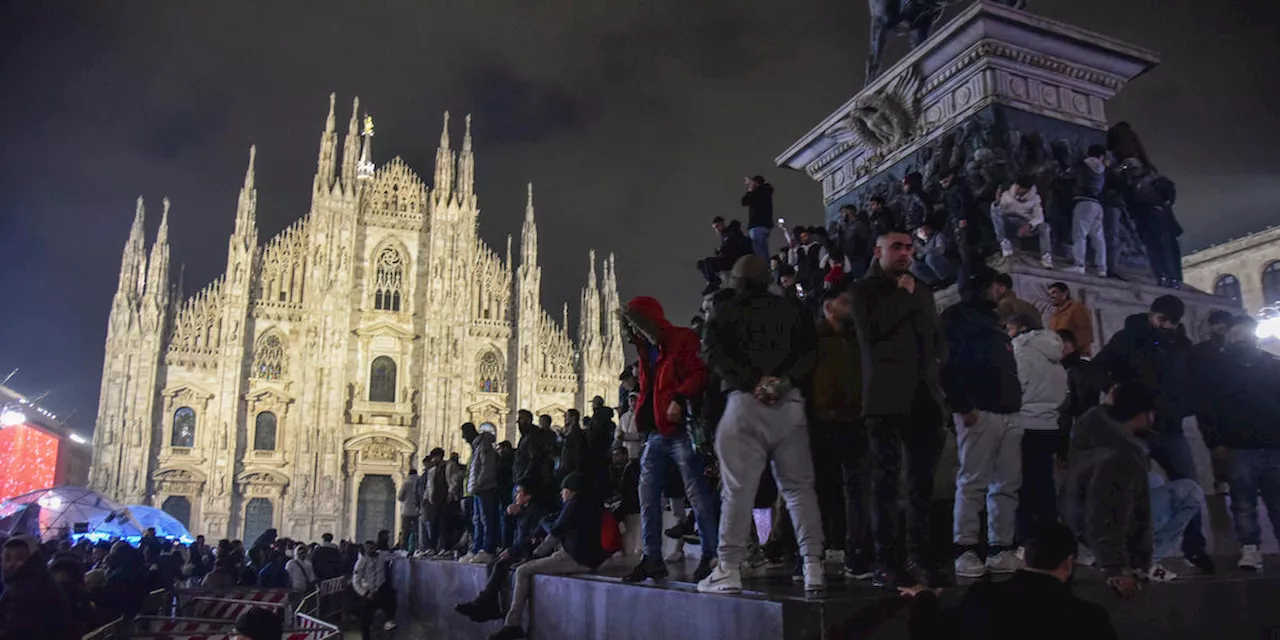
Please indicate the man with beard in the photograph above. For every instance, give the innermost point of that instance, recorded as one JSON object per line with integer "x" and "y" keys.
{"x": 1152, "y": 349}
{"x": 671, "y": 372}
{"x": 901, "y": 348}
{"x": 32, "y": 605}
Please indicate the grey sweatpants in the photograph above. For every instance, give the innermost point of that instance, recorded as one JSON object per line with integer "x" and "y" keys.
{"x": 1086, "y": 226}
{"x": 558, "y": 563}
{"x": 990, "y": 469}
{"x": 752, "y": 434}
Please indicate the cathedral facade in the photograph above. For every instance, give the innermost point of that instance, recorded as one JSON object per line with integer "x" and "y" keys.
{"x": 298, "y": 389}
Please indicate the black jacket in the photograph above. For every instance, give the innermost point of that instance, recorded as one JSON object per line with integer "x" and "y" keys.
{"x": 855, "y": 241}
{"x": 529, "y": 531}
{"x": 32, "y": 606}
{"x": 1107, "y": 501}
{"x": 578, "y": 530}
{"x": 625, "y": 482}
{"x": 733, "y": 243}
{"x": 759, "y": 204}
{"x": 980, "y": 372}
{"x": 899, "y": 341}
{"x": 535, "y": 464}
{"x": 1245, "y": 406}
{"x": 1030, "y": 604}
{"x": 573, "y": 449}
{"x": 327, "y": 563}
{"x": 1086, "y": 383}
{"x": 1158, "y": 360}
{"x": 756, "y": 334}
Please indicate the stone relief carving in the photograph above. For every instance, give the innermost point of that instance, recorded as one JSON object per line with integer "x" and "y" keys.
{"x": 887, "y": 119}
{"x": 380, "y": 449}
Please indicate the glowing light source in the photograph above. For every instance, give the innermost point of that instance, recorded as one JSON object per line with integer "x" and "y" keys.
{"x": 78, "y": 439}
{"x": 11, "y": 418}
{"x": 1268, "y": 328}
{"x": 28, "y": 460}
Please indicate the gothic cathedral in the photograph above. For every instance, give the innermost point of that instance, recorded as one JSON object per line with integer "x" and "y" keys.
{"x": 297, "y": 389}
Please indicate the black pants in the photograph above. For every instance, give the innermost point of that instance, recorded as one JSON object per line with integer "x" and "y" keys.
{"x": 385, "y": 599}
{"x": 1038, "y": 498}
{"x": 435, "y": 525}
{"x": 842, "y": 472}
{"x": 1158, "y": 235}
{"x": 408, "y": 524}
{"x": 918, "y": 438}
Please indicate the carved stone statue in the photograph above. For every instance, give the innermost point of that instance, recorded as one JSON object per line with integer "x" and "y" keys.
{"x": 918, "y": 18}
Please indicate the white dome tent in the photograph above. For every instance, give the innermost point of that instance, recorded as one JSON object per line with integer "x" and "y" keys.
{"x": 50, "y": 513}
{"x": 166, "y": 526}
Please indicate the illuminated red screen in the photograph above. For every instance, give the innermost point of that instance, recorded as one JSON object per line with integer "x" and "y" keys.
{"x": 28, "y": 460}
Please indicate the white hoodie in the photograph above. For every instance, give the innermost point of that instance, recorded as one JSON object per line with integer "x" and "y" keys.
{"x": 1043, "y": 379}
{"x": 1027, "y": 208}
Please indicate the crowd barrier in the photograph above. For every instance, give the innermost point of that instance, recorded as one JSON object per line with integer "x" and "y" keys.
{"x": 210, "y": 614}
{"x": 107, "y": 631}
{"x": 226, "y": 604}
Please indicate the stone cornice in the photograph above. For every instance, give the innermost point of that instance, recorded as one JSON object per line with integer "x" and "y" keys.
{"x": 1231, "y": 247}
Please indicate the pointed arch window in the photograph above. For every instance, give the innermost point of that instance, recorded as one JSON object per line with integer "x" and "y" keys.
{"x": 268, "y": 359}
{"x": 264, "y": 432}
{"x": 388, "y": 281}
{"x": 382, "y": 380}
{"x": 491, "y": 378}
{"x": 184, "y": 428}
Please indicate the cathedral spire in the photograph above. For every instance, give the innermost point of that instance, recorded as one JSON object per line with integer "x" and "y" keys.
{"x": 529, "y": 236}
{"x": 351, "y": 146}
{"x": 466, "y": 168}
{"x": 444, "y": 166}
{"x": 364, "y": 170}
{"x": 328, "y": 150}
{"x": 247, "y": 209}
{"x": 589, "y": 325}
{"x": 133, "y": 261}
{"x": 157, "y": 285}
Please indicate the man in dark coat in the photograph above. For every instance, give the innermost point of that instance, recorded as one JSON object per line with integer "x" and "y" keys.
{"x": 901, "y": 346}
{"x": 1153, "y": 349}
{"x": 32, "y": 605}
{"x": 1086, "y": 383}
{"x": 534, "y": 466}
{"x": 759, "y": 203}
{"x": 733, "y": 245}
{"x": 851, "y": 232}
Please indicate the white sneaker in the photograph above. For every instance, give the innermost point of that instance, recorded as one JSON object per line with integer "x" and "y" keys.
{"x": 675, "y": 556}
{"x": 1075, "y": 268}
{"x": 1004, "y": 562}
{"x": 814, "y": 580}
{"x": 389, "y": 625}
{"x": 1085, "y": 557}
{"x": 467, "y": 558}
{"x": 1101, "y": 272}
{"x": 1158, "y": 573}
{"x": 483, "y": 557}
{"x": 969, "y": 565}
{"x": 722, "y": 580}
{"x": 1046, "y": 260}
{"x": 1250, "y": 557}
{"x": 1006, "y": 249}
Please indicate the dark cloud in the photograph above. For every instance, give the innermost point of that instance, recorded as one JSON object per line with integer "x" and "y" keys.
{"x": 635, "y": 120}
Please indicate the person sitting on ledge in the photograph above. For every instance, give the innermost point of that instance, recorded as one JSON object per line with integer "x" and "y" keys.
{"x": 1018, "y": 212}
{"x": 936, "y": 257}
{"x": 1110, "y": 503}
{"x": 572, "y": 546}
{"x": 528, "y": 536}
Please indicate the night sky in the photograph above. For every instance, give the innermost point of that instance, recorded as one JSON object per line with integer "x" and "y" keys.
{"x": 635, "y": 121}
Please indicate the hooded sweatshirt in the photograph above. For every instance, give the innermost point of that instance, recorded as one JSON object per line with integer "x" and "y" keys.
{"x": 980, "y": 372}
{"x": 1107, "y": 501}
{"x": 670, "y": 371}
{"x": 1042, "y": 378}
{"x": 1026, "y": 209}
{"x": 1090, "y": 178}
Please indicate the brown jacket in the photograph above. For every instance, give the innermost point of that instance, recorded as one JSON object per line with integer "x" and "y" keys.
{"x": 1075, "y": 317}
{"x": 1011, "y": 304}
{"x": 836, "y": 386}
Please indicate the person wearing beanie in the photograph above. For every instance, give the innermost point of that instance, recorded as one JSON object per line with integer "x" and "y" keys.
{"x": 1153, "y": 349}
{"x": 762, "y": 346}
{"x": 572, "y": 546}
{"x": 670, "y": 374}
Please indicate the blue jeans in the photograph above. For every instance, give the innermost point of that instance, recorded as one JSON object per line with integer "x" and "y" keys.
{"x": 760, "y": 241}
{"x": 484, "y": 522}
{"x": 934, "y": 269}
{"x": 659, "y": 451}
{"x": 1172, "y": 452}
{"x": 1253, "y": 472}
{"x": 1173, "y": 506}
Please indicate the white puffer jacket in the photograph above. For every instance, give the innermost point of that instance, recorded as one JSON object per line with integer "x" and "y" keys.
{"x": 1043, "y": 380}
{"x": 1026, "y": 209}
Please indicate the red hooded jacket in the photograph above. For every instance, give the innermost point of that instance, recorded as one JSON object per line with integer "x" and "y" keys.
{"x": 677, "y": 374}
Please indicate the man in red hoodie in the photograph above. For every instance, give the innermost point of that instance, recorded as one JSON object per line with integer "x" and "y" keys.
{"x": 671, "y": 372}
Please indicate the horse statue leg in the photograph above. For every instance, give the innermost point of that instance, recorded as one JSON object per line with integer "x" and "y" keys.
{"x": 880, "y": 25}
